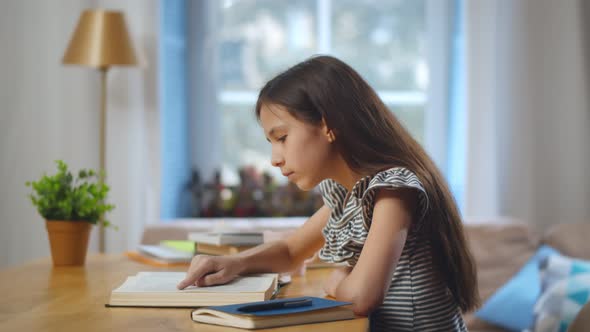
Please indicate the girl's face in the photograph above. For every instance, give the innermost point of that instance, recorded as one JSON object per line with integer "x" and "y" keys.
{"x": 302, "y": 151}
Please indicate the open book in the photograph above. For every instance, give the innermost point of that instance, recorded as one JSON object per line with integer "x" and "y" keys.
{"x": 321, "y": 310}
{"x": 158, "y": 289}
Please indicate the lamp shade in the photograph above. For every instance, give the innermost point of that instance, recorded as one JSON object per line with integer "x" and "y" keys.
{"x": 100, "y": 40}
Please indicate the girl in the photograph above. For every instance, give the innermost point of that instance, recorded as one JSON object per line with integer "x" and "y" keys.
{"x": 387, "y": 211}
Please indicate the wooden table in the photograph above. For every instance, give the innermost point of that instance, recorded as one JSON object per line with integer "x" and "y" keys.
{"x": 38, "y": 297}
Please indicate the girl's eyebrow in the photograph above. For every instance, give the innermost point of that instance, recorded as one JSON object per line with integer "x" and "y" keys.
{"x": 273, "y": 129}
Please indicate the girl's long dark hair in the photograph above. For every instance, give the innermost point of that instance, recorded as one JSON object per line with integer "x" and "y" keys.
{"x": 370, "y": 139}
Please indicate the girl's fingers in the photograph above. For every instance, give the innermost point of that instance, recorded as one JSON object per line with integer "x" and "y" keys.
{"x": 211, "y": 279}
{"x": 185, "y": 283}
{"x": 196, "y": 272}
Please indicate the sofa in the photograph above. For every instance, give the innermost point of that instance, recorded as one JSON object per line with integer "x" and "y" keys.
{"x": 500, "y": 247}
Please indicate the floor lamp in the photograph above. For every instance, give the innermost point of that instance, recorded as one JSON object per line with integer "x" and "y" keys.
{"x": 100, "y": 41}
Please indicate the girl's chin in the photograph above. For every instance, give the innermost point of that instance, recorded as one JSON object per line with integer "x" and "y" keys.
{"x": 303, "y": 185}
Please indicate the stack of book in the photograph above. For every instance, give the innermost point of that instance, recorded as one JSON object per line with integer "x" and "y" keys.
{"x": 225, "y": 243}
{"x": 246, "y": 302}
{"x": 228, "y": 243}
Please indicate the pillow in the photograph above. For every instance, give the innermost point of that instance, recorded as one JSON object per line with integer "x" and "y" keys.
{"x": 561, "y": 302}
{"x": 512, "y": 305}
{"x": 565, "y": 288}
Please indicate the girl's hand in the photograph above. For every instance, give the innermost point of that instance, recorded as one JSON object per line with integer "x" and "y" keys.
{"x": 332, "y": 283}
{"x": 211, "y": 270}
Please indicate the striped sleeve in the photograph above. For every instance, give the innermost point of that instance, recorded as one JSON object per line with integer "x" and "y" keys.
{"x": 393, "y": 179}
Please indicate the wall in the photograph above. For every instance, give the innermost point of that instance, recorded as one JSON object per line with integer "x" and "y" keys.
{"x": 49, "y": 111}
{"x": 528, "y": 104}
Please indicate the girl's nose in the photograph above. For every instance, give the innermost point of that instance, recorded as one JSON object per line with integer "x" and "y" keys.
{"x": 276, "y": 160}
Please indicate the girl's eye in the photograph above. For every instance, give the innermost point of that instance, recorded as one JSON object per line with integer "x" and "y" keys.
{"x": 282, "y": 138}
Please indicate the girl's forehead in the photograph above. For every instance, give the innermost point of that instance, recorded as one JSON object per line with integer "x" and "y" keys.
{"x": 275, "y": 114}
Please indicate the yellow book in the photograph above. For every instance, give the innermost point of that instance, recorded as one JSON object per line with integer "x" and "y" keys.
{"x": 158, "y": 289}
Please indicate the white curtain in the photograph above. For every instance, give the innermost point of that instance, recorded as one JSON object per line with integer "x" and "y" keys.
{"x": 133, "y": 138}
{"x": 205, "y": 130}
{"x": 528, "y": 147}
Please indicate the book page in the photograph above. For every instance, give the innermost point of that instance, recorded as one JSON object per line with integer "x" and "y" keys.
{"x": 167, "y": 281}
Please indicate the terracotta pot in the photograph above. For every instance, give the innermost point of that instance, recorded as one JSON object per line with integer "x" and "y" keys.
{"x": 68, "y": 241}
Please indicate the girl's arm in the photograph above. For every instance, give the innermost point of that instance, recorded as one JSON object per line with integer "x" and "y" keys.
{"x": 278, "y": 256}
{"x": 368, "y": 282}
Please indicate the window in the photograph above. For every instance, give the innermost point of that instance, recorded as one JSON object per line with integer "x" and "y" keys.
{"x": 383, "y": 40}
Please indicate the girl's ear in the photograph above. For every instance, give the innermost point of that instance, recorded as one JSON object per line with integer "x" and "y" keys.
{"x": 328, "y": 132}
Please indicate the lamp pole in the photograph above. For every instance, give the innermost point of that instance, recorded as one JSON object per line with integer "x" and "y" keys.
{"x": 103, "y": 125}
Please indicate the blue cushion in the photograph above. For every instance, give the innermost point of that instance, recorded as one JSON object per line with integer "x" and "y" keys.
{"x": 565, "y": 288}
{"x": 559, "y": 305}
{"x": 556, "y": 267}
{"x": 512, "y": 305}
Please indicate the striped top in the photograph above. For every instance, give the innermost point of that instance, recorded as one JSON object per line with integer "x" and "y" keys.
{"x": 416, "y": 300}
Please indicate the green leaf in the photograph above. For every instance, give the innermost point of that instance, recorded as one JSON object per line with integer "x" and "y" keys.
{"x": 63, "y": 196}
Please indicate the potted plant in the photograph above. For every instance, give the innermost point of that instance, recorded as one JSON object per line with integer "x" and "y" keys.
{"x": 70, "y": 205}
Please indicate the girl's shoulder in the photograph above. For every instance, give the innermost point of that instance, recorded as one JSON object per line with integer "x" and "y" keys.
{"x": 392, "y": 179}
{"x": 395, "y": 177}
{"x": 365, "y": 189}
